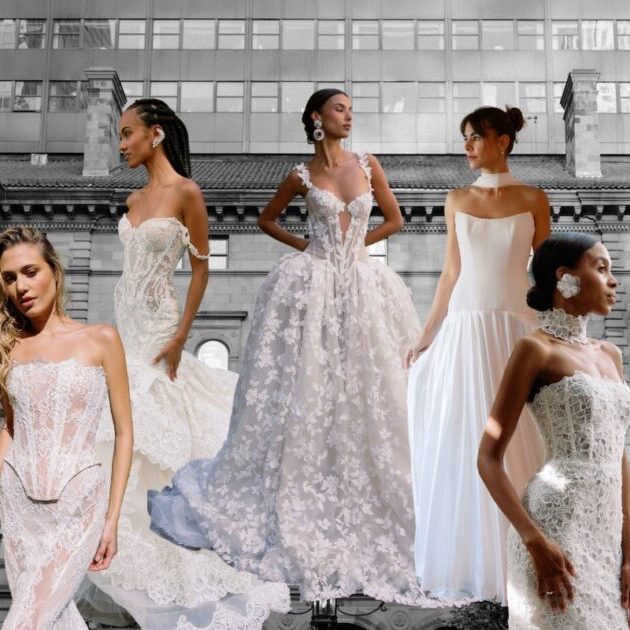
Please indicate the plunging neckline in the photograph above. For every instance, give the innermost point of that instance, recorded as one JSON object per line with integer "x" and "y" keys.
{"x": 336, "y": 197}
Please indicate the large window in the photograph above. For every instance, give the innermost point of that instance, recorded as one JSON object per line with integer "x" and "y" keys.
{"x": 229, "y": 96}
{"x": 198, "y": 34}
{"x": 218, "y": 252}
{"x": 133, "y": 89}
{"x": 99, "y": 33}
{"x": 214, "y": 354}
{"x": 365, "y": 35}
{"x": 332, "y": 35}
{"x": 606, "y": 98}
{"x": 365, "y": 97}
{"x": 197, "y": 96}
{"x": 165, "y": 34}
{"x": 532, "y": 98}
{"x": 465, "y": 35}
{"x": 232, "y": 34}
{"x": 431, "y": 98}
{"x": 564, "y": 35}
{"x": 399, "y": 97}
{"x": 430, "y": 35}
{"x": 624, "y": 98}
{"x": 8, "y": 28}
{"x": 266, "y": 35}
{"x": 295, "y": 94}
{"x": 498, "y": 94}
{"x": 5, "y": 96}
{"x": 598, "y": 35}
{"x": 530, "y": 34}
{"x": 66, "y": 33}
{"x": 497, "y": 34}
{"x": 264, "y": 96}
{"x": 65, "y": 96}
{"x": 32, "y": 34}
{"x": 131, "y": 34}
{"x": 298, "y": 34}
{"x": 398, "y": 35}
{"x": 558, "y": 90}
{"x": 465, "y": 97}
{"x": 166, "y": 91}
{"x": 28, "y": 96}
{"x": 623, "y": 34}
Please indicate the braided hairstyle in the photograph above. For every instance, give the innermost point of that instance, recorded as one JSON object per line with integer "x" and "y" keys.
{"x": 506, "y": 121}
{"x": 153, "y": 111}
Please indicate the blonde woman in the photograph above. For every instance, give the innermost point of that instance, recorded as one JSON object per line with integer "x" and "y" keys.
{"x": 55, "y": 374}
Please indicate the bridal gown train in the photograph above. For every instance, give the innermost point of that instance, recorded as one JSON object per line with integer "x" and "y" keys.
{"x": 576, "y": 501}
{"x": 161, "y": 585}
{"x": 460, "y": 533}
{"x": 313, "y": 484}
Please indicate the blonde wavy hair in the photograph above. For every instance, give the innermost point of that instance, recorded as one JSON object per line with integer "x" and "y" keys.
{"x": 13, "y": 324}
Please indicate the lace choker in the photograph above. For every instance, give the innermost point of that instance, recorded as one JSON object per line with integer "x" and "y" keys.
{"x": 557, "y": 323}
{"x": 496, "y": 180}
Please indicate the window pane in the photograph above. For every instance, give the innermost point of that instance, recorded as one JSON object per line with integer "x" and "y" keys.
{"x": 166, "y": 34}
{"x": 431, "y": 98}
{"x": 624, "y": 97}
{"x": 197, "y": 96}
{"x": 264, "y": 97}
{"x": 465, "y": 35}
{"x": 365, "y": 35}
{"x": 337, "y": 85}
{"x": 32, "y": 34}
{"x": 498, "y": 94}
{"x": 166, "y": 91}
{"x": 62, "y": 96}
{"x": 5, "y": 96}
{"x": 331, "y": 35}
{"x": 232, "y": 34}
{"x": 531, "y": 35}
{"x": 99, "y": 33}
{"x": 8, "y": 33}
{"x": 532, "y": 98}
{"x": 597, "y": 35}
{"x": 623, "y": 34}
{"x": 295, "y": 94}
{"x": 229, "y": 97}
{"x": 133, "y": 89}
{"x": 131, "y": 34}
{"x": 397, "y": 35}
{"x": 298, "y": 34}
{"x": 558, "y": 89}
{"x": 66, "y": 33}
{"x": 365, "y": 97}
{"x": 564, "y": 35}
{"x": 214, "y": 354}
{"x": 465, "y": 97}
{"x": 28, "y": 96}
{"x": 399, "y": 97}
{"x": 198, "y": 34}
{"x": 430, "y": 35}
{"x": 497, "y": 34}
{"x": 606, "y": 98}
{"x": 266, "y": 35}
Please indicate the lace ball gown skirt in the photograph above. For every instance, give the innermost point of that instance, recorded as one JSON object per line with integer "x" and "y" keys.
{"x": 313, "y": 485}
{"x": 48, "y": 546}
{"x": 460, "y": 532}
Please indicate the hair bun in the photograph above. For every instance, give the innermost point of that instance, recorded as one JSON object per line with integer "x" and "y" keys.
{"x": 539, "y": 299}
{"x": 516, "y": 116}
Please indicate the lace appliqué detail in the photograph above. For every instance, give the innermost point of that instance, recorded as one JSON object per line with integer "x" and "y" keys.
{"x": 557, "y": 323}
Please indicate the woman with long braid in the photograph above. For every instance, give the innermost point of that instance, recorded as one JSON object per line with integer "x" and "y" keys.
{"x": 181, "y": 408}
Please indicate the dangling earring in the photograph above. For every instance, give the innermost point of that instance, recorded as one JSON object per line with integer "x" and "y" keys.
{"x": 159, "y": 139}
{"x": 568, "y": 285}
{"x": 318, "y": 134}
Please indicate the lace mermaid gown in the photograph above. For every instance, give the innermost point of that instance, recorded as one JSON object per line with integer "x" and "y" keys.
{"x": 312, "y": 485}
{"x": 460, "y": 532}
{"x": 53, "y": 495}
{"x": 161, "y": 585}
{"x": 575, "y": 499}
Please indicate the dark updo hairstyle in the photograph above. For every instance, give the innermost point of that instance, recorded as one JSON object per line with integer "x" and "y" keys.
{"x": 508, "y": 122}
{"x": 559, "y": 250}
{"x": 153, "y": 111}
{"x": 315, "y": 104}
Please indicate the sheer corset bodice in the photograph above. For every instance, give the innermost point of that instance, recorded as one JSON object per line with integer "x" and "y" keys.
{"x": 146, "y": 301}
{"x": 327, "y": 238}
{"x": 56, "y": 411}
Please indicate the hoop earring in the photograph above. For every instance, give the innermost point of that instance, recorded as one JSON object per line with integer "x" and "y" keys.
{"x": 318, "y": 134}
{"x": 159, "y": 139}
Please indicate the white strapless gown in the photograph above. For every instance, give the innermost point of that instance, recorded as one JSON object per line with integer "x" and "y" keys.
{"x": 161, "y": 585}
{"x": 460, "y": 546}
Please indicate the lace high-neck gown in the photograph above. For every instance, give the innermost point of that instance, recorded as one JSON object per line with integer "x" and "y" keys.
{"x": 53, "y": 495}
{"x": 575, "y": 499}
{"x": 313, "y": 485}
{"x": 159, "y": 584}
{"x": 460, "y": 532}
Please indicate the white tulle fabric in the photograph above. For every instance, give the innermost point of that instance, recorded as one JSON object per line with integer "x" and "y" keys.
{"x": 460, "y": 533}
{"x": 312, "y": 486}
{"x": 161, "y": 585}
{"x": 575, "y": 499}
{"x": 52, "y": 511}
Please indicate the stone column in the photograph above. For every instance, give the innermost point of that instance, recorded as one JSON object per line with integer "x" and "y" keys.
{"x": 106, "y": 98}
{"x": 579, "y": 101}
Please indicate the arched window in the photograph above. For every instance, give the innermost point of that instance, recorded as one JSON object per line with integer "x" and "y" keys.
{"x": 214, "y": 354}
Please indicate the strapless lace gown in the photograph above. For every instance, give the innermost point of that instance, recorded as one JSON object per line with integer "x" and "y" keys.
{"x": 460, "y": 532}
{"x": 312, "y": 486}
{"x": 159, "y": 584}
{"x": 575, "y": 499}
{"x": 53, "y": 494}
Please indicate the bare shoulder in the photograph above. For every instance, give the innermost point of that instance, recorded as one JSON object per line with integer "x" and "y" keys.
{"x": 292, "y": 182}
{"x": 614, "y": 353}
{"x": 533, "y": 350}
{"x": 534, "y": 195}
{"x": 104, "y": 333}
{"x": 189, "y": 188}
{"x": 455, "y": 198}
{"x": 133, "y": 198}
